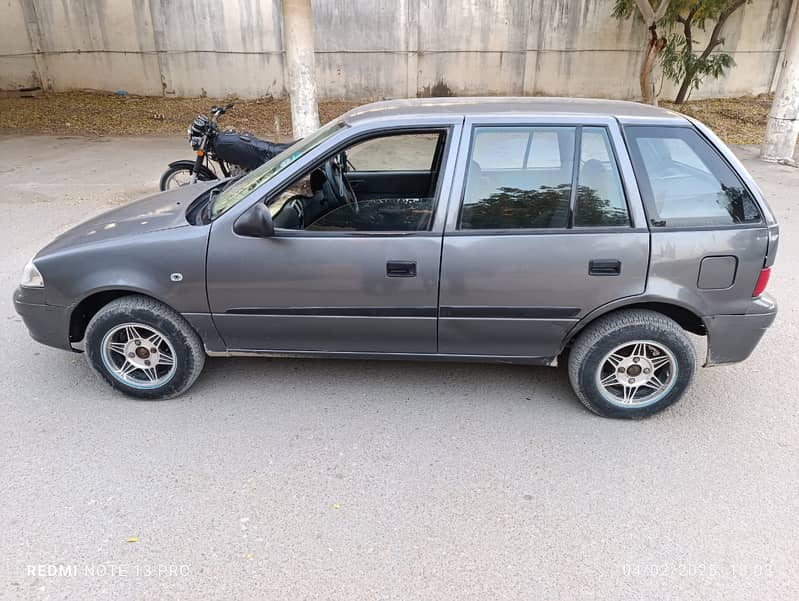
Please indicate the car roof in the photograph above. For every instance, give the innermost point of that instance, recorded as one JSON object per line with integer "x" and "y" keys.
{"x": 520, "y": 106}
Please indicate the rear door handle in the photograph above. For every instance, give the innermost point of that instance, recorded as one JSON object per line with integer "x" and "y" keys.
{"x": 401, "y": 269}
{"x": 604, "y": 267}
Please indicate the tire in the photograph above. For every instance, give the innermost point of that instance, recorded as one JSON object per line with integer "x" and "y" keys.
{"x": 124, "y": 336}
{"x": 171, "y": 174}
{"x": 657, "y": 345}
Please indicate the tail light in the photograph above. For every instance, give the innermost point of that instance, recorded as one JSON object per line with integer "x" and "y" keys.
{"x": 762, "y": 281}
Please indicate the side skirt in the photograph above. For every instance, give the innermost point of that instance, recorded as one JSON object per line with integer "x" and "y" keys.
{"x": 508, "y": 359}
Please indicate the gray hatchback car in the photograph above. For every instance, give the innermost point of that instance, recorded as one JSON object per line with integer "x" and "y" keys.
{"x": 508, "y": 230}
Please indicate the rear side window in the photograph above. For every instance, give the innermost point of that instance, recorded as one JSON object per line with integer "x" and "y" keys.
{"x": 519, "y": 177}
{"x": 600, "y": 196}
{"x": 685, "y": 182}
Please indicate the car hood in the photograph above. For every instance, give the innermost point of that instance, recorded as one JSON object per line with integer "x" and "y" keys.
{"x": 161, "y": 211}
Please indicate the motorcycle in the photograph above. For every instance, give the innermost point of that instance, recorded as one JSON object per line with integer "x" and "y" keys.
{"x": 234, "y": 153}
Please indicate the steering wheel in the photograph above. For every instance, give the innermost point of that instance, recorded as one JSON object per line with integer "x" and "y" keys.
{"x": 340, "y": 186}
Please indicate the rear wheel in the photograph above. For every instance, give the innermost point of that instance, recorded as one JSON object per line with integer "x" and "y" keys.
{"x": 631, "y": 364}
{"x": 144, "y": 348}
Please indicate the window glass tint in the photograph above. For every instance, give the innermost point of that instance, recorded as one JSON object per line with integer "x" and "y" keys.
{"x": 518, "y": 177}
{"x": 685, "y": 181}
{"x": 403, "y": 152}
{"x": 600, "y": 196}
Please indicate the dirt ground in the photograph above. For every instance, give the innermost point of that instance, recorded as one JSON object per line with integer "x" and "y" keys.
{"x": 736, "y": 120}
{"x": 105, "y": 114}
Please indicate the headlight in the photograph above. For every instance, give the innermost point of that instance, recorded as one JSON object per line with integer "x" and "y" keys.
{"x": 31, "y": 278}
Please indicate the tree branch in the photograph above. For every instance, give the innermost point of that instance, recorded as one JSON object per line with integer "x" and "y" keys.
{"x": 646, "y": 10}
{"x": 715, "y": 36}
{"x": 714, "y": 41}
{"x": 661, "y": 11}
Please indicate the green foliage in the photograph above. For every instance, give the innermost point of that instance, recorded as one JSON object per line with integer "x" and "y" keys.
{"x": 680, "y": 60}
{"x": 624, "y": 9}
{"x": 680, "y": 63}
{"x": 702, "y": 10}
{"x": 697, "y": 11}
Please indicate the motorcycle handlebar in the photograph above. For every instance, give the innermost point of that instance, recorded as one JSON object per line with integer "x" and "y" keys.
{"x": 222, "y": 109}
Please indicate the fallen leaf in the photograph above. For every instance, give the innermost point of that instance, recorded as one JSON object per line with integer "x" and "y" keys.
{"x": 105, "y": 114}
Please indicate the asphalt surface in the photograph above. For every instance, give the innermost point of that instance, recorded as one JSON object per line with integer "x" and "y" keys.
{"x": 317, "y": 479}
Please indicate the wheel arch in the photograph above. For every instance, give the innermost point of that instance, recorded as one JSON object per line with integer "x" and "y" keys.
{"x": 89, "y": 305}
{"x": 687, "y": 318}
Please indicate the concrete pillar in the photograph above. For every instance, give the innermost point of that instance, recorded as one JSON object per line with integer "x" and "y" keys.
{"x": 782, "y": 128}
{"x": 160, "y": 44}
{"x": 37, "y": 42}
{"x": 299, "y": 45}
{"x": 412, "y": 49}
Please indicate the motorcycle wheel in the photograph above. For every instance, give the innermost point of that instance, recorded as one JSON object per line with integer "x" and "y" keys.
{"x": 176, "y": 177}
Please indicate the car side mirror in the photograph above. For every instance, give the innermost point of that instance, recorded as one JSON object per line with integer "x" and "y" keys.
{"x": 256, "y": 222}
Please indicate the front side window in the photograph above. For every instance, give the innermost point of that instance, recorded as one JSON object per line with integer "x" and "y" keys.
{"x": 400, "y": 152}
{"x": 239, "y": 190}
{"x": 685, "y": 181}
{"x": 518, "y": 177}
{"x": 386, "y": 183}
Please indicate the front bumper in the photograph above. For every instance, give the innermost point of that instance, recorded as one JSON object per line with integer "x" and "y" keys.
{"x": 47, "y": 324}
{"x": 732, "y": 338}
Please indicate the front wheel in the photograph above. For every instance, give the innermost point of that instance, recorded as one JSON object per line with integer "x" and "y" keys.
{"x": 179, "y": 176}
{"x": 144, "y": 348}
{"x": 631, "y": 364}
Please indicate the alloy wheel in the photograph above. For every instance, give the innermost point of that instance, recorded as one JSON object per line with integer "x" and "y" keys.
{"x": 138, "y": 355}
{"x": 636, "y": 374}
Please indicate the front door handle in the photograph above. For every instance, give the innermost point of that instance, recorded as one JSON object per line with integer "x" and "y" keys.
{"x": 401, "y": 269}
{"x": 604, "y": 267}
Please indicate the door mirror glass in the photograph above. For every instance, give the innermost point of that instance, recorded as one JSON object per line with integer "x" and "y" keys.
{"x": 256, "y": 222}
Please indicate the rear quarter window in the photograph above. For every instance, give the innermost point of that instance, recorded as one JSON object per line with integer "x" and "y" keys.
{"x": 684, "y": 180}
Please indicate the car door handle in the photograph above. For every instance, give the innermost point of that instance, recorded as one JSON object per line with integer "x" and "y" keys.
{"x": 401, "y": 269}
{"x": 604, "y": 267}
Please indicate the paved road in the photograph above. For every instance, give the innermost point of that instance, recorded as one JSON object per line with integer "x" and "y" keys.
{"x": 291, "y": 479}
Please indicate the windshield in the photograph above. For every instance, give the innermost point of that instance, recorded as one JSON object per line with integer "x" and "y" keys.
{"x": 237, "y": 191}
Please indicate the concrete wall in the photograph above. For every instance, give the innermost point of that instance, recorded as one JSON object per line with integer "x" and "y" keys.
{"x": 365, "y": 48}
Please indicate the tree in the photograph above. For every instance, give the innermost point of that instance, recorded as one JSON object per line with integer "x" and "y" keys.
{"x": 782, "y": 127}
{"x": 680, "y": 63}
{"x": 624, "y": 9}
